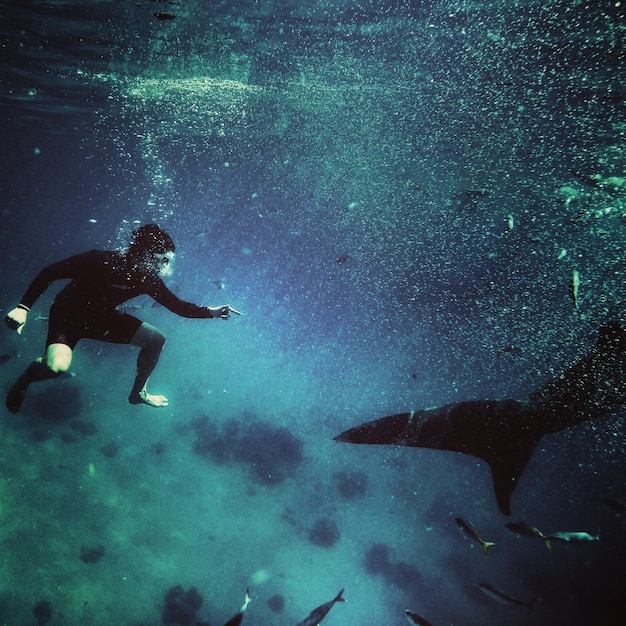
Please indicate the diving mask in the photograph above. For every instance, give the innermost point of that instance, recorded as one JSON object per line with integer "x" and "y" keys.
{"x": 164, "y": 262}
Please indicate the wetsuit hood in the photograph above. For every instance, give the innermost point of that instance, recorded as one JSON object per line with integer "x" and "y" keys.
{"x": 151, "y": 238}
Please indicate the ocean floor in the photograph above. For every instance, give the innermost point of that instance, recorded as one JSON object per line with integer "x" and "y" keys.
{"x": 106, "y": 506}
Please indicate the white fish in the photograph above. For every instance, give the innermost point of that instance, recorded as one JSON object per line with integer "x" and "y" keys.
{"x": 510, "y": 221}
{"x": 574, "y": 536}
{"x": 236, "y": 620}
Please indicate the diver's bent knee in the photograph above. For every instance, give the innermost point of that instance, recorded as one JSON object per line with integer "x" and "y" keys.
{"x": 59, "y": 358}
{"x": 160, "y": 339}
{"x": 58, "y": 367}
{"x": 59, "y": 364}
{"x": 148, "y": 335}
{"x": 156, "y": 339}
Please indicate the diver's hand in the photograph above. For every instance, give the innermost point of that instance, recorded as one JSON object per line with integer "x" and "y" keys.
{"x": 223, "y": 311}
{"x": 16, "y": 318}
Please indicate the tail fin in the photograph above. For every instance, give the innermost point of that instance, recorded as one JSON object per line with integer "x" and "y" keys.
{"x": 497, "y": 431}
{"x": 486, "y": 545}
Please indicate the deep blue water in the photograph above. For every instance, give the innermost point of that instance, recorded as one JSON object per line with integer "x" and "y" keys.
{"x": 396, "y": 195}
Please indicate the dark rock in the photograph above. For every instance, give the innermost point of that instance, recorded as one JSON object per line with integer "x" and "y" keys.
{"x": 324, "y": 533}
{"x": 42, "y": 612}
{"x": 402, "y": 575}
{"x": 180, "y": 606}
{"x": 377, "y": 559}
{"x": 276, "y": 603}
{"x": 91, "y": 554}
{"x": 272, "y": 454}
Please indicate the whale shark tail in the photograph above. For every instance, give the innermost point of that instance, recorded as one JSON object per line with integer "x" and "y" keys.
{"x": 496, "y": 431}
{"x": 504, "y": 433}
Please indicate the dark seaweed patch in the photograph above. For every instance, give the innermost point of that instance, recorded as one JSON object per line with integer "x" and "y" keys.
{"x": 377, "y": 559}
{"x": 276, "y": 603}
{"x": 180, "y": 606}
{"x": 400, "y": 574}
{"x": 325, "y": 533}
{"x": 42, "y": 611}
{"x": 271, "y": 453}
{"x": 91, "y": 554}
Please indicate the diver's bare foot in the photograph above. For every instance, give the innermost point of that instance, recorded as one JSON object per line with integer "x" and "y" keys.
{"x": 143, "y": 397}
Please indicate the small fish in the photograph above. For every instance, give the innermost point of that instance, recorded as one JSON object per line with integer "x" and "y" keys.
{"x": 318, "y": 614}
{"x": 526, "y": 530}
{"x": 574, "y": 287}
{"x": 235, "y": 620}
{"x": 343, "y": 259}
{"x": 470, "y": 198}
{"x": 164, "y": 16}
{"x": 414, "y": 618}
{"x": 417, "y": 187}
{"x": 592, "y": 180}
{"x": 510, "y": 350}
{"x": 476, "y": 193}
{"x": 574, "y": 536}
{"x": 618, "y": 506}
{"x": 503, "y": 598}
{"x": 468, "y": 530}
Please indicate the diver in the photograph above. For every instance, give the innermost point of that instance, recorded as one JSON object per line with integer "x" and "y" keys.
{"x": 86, "y": 308}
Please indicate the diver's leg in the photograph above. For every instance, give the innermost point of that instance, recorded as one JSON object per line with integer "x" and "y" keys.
{"x": 151, "y": 341}
{"x": 57, "y": 361}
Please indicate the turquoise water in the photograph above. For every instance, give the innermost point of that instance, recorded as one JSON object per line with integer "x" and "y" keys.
{"x": 396, "y": 195}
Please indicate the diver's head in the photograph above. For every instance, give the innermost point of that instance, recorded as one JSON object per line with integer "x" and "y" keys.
{"x": 152, "y": 247}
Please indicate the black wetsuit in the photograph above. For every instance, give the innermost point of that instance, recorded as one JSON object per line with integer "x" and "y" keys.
{"x": 101, "y": 281}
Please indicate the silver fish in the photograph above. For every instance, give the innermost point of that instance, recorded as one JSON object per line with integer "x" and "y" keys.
{"x": 526, "y": 530}
{"x": 235, "y": 620}
{"x": 503, "y": 598}
{"x": 414, "y": 618}
{"x": 318, "y": 614}
{"x": 469, "y": 531}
